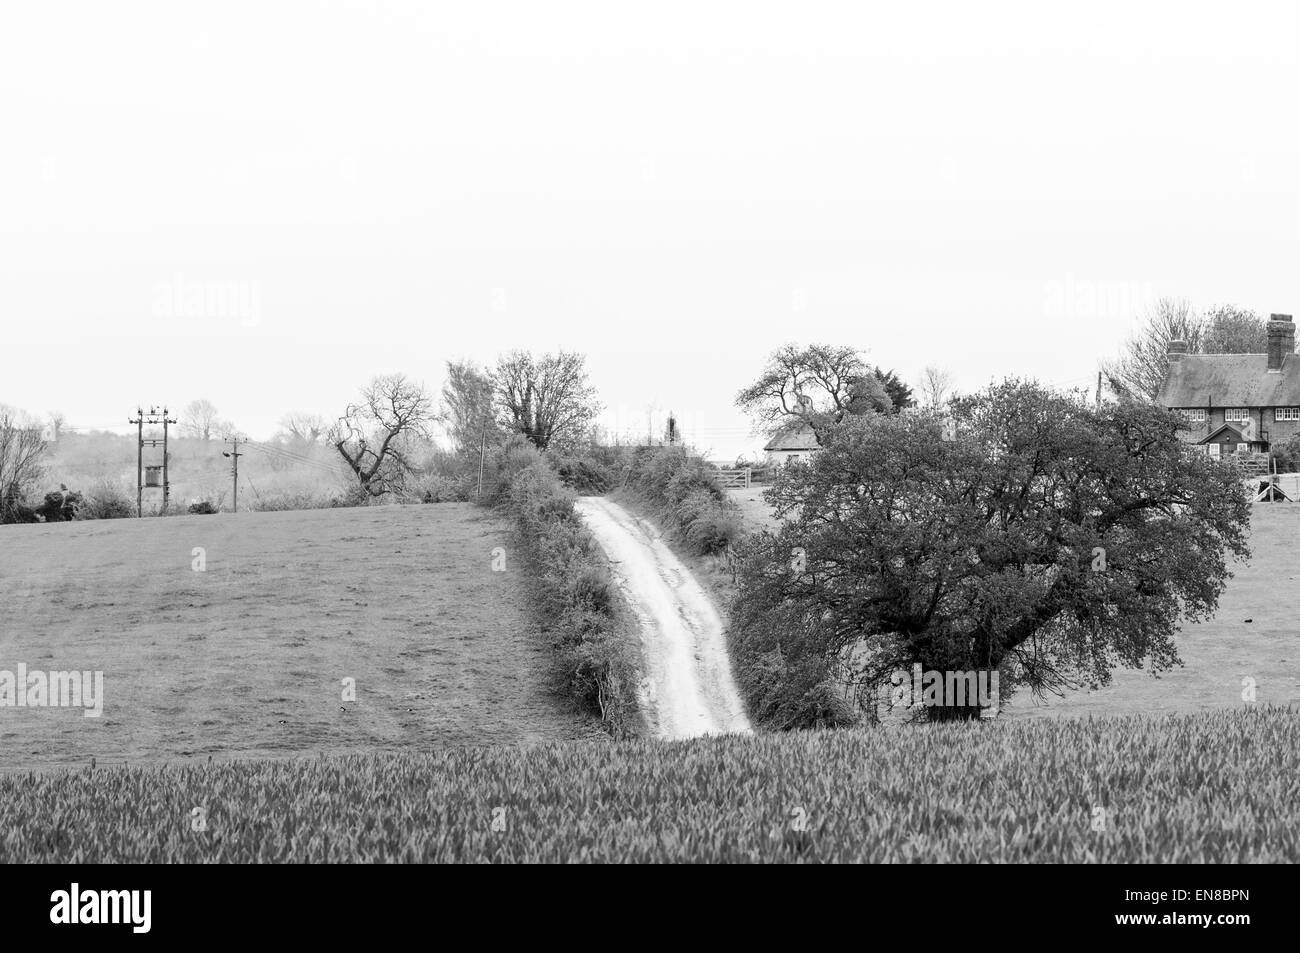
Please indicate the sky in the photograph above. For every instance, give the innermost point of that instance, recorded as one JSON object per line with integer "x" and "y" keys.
{"x": 267, "y": 204}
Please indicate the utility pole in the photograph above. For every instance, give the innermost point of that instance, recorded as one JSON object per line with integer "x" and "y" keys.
{"x": 152, "y": 418}
{"x": 482, "y": 452}
{"x": 167, "y": 487}
{"x": 234, "y": 456}
{"x": 139, "y": 462}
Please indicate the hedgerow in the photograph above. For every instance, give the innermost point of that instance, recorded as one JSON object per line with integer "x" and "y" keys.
{"x": 684, "y": 489}
{"x": 595, "y": 661}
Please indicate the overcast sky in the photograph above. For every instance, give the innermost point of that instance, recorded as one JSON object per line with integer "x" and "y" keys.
{"x": 674, "y": 191}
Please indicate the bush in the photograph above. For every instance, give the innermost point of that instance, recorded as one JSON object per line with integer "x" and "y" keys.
{"x": 594, "y": 661}
{"x": 60, "y": 506}
{"x": 584, "y": 475}
{"x": 203, "y": 507}
{"x": 686, "y": 489}
{"x": 307, "y": 500}
{"x": 1286, "y": 456}
{"x": 106, "y": 501}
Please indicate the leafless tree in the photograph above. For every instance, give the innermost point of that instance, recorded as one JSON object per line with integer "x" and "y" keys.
{"x": 935, "y": 385}
{"x": 199, "y": 419}
{"x": 1143, "y": 363}
{"x": 546, "y": 398}
{"x": 815, "y": 385}
{"x": 305, "y": 427}
{"x": 1233, "y": 330}
{"x": 58, "y": 420}
{"x": 467, "y": 408}
{"x": 21, "y": 450}
{"x": 373, "y": 436}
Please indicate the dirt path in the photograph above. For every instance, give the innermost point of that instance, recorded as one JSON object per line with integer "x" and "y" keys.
{"x": 689, "y": 689}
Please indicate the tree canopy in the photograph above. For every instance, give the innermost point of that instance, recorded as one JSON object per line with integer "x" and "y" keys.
{"x": 1050, "y": 540}
{"x": 818, "y": 386}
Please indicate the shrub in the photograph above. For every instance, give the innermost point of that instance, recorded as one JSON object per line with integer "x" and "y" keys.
{"x": 583, "y": 474}
{"x": 685, "y": 488}
{"x": 60, "y": 506}
{"x": 106, "y": 501}
{"x": 203, "y": 507}
{"x": 594, "y": 661}
{"x": 307, "y": 500}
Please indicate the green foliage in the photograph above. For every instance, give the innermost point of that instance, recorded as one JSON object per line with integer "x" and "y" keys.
{"x": 594, "y": 659}
{"x": 1216, "y": 787}
{"x": 982, "y": 552}
{"x": 686, "y": 489}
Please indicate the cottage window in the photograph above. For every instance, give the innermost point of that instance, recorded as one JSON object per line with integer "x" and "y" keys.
{"x": 1236, "y": 413}
{"x": 1215, "y": 449}
{"x": 1194, "y": 415}
{"x": 1286, "y": 413}
{"x": 1243, "y": 447}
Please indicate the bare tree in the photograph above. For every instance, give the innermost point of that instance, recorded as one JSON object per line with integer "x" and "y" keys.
{"x": 1233, "y": 330}
{"x": 373, "y": 436}
{"x": 935, "y": 385}
{"x": 467, "y": 409}
{"x": 199, "y": 419}
{"x": 58, "y": 420}
{"x": 224, "y": 429}
{"x": 305, "y": 427}
{"x": 545, "y": 398}
{"x": 1143, "y": 364}
{"x": 21, "y": 450}
{"x": 816, "y": 386}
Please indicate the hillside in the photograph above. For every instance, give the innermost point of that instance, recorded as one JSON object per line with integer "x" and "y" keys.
{"x": 246, "y": 659}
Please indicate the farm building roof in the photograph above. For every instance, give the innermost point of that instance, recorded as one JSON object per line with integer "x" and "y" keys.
{"x": 798, "y": 438}
{"x": 1228, "y": 431}
{"x": 1231, "y": 380}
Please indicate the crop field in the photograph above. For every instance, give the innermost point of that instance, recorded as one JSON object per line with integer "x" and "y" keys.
{"x": 1211, "y": 787}
{"x": 1253, "y": 635}
{"x": 246, "y": 658}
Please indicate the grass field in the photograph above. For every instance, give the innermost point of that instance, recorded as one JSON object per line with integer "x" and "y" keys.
{"x": 1255, "y": 633}
{"x": 246, "y": 659}
{"x": 1213, "y": 787}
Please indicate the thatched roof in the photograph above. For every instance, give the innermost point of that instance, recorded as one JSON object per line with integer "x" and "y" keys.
{"x": 1231, "y": 380}
{"x": 796, "y": 438}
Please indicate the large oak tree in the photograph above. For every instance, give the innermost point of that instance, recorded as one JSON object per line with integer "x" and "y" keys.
{"x": 1050, "y": 540}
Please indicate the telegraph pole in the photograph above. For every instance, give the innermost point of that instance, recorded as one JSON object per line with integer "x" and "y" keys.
{"x": 139, "y": 462}
{"x": 152, "y": 418}
{"x": 234, "y": 456}
{"x": 167, "y": 487}
{"x": 482, "y": 452}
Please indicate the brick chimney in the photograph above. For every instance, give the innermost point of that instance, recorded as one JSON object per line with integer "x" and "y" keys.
{"x": 1281, "y": 340}
{"x": 1176, "y": 350}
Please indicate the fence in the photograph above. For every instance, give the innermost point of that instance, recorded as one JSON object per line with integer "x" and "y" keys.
{"x": 738, "y": 478}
